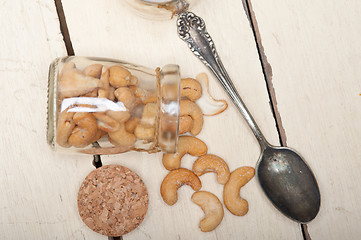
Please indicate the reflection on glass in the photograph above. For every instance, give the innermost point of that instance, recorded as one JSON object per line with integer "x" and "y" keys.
{"x": 117, "y": 104}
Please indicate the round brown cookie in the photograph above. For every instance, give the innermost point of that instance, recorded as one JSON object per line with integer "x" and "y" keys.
{"x": 112, "y": 200}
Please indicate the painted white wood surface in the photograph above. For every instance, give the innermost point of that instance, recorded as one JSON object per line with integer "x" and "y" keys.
{"x": 313, "y": 48}
{"x": 37, "y": 186}
{"x": 110, "y": 29}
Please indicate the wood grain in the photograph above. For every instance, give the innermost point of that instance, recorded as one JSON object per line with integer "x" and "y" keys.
{"x": 315, "y": 56}
{"x": 38, "y": 187}
{"x": 110, "y": 29}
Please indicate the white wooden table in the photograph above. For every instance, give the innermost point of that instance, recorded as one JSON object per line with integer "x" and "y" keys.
{"x": 313, "y": 81}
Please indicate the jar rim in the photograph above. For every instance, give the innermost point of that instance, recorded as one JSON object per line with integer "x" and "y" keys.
{"x": 169, "y": 94}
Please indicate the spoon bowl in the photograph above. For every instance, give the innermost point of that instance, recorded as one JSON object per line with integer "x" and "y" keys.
{"x": 289, "y": 183}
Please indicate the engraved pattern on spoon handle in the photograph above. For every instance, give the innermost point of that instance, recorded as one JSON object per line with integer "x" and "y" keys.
{"x": 192, "y": 30}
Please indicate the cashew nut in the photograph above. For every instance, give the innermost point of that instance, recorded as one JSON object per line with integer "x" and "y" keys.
{"x": 94, "y": 70}
{"x": 185, "y": 124}
{"x": 144, "y": 133}
{"x": 73, "y": 83}
{"x": 212, "y": 163}
{"x": 191, "y": 89}
{"x": 103, "y": 92}
{"x": 119, "y": 76}
{"x": 85, "y": 131}
{"x": 207, "y": 103}
{"x": 212, "y": 208}
{"x": 131, "y": 124}
{"x": 149, "y": 114}
{"x": 121, "y": 137}
{"x": 67, "y": 66}
{"x": 186, "y": 144}
{"x": 106, "y": 123}
{"x": 174, "y": 180}
{"x": 99, "y": 134}
{"x": 120, "y": 116}
{"x": 170, "y": 91}
{"x": 64, "y": 128}
{"x": 126, "y": 96}
{"x": 133, "y": 81}
{"x": 187, "y": 107}
{"x": 143, "y": 96}
{"x": 111, "y": 95}
{"x": 93, "y": 93}
{"x": 232, "y": 200}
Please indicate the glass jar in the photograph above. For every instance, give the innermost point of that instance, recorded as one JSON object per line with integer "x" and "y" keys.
{"x": 159, "y": 9}
{"x": 106, "y": 106}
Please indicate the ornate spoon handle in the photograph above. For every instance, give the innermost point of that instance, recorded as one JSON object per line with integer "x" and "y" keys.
{"x": 192, "y": 30}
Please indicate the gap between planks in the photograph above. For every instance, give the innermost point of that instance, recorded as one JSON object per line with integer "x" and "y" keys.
{"x": 267, "y": 72}
{"x": 64, "y": 27}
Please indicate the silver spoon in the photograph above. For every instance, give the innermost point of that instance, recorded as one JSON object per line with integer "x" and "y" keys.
{"x": 282, "y": 173}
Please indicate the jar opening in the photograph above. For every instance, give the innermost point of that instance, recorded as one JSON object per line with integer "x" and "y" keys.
{"x": 169, "y": 79}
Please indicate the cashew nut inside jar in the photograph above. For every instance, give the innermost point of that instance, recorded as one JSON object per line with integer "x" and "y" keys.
{"x": 106, "y": 106}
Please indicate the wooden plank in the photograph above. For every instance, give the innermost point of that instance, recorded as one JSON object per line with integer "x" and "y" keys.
{"x": 312, "y": 48}
{"x": 110, "y": 29}
{"x": 38, "y": 187}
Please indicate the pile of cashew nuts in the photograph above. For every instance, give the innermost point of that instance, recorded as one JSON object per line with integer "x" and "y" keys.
{"x": 80, "y": 129}
{"x": 122, "y": 128}
{"x": 191, "y": 120}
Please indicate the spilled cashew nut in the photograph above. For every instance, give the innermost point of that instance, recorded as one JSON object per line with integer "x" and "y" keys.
{"x": 73, "y": 83}
{"x": 149, "y": 114}
{"x": 85, "y": 130}
{"x": 93, "y": 70}
{"x": 186, "y": 144}
{"x": 212, "y": 208}
{"x": 206, "y": 102}
{"x": 191, "y": 89}
{"x": 174, "y": 180}
{"x": 119, "y": 76}
{"x": 212, "y": 163}
{"x": 106, "y": 123}
{"x": 187, "y": 107}
{"x": 121, "y": 137}
{"x": 64, "y": 128}
{"x": 144, "y": 133}
{"x": 232, "y": 200}
{"x": 185, "y": 124}
{"x": 126, "y": 96}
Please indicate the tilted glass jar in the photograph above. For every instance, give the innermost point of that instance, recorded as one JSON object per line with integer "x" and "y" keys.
{"x": 106, "y": 106}
{"x": 159, "y": 9}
